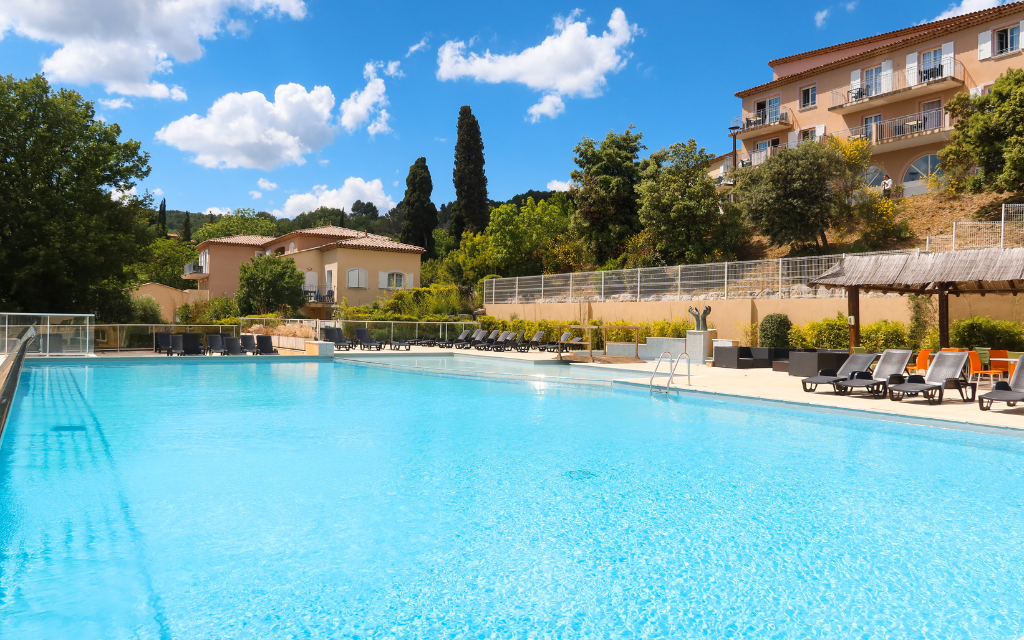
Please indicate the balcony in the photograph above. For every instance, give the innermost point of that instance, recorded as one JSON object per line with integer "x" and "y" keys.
{"x": 319, "y": 294}
{"x": 763, "y": 122}
{"x": 923, "y": 127}
{"x": 898, "y": 85}
{"x": 195, "y": 271}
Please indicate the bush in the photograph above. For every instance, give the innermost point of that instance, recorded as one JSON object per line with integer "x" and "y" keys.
{"x": 268, "y": 283}
{"x": 750, "y": 333}
{"x": 879, "y": 336}
{"x": 775, "y": 330}
{"x": 985, "y": 332}
{"x": 220, "y": 310}
{"x": 830, "y": 333}
{"x": 146, "y": 310}
{"x": 661, "y": 329}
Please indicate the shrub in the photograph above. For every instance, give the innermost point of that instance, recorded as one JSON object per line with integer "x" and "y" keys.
{"x": 830, "y": 333}
{"x": 661, "y": 329}
{"x": 749, "y": 331}
{"x": 146, "y": 310}
{"x": 775, "y": 330}
{"x": 879, "y": 336}
{"x": 268, "y": 283}
{"x": 985, "y": 332}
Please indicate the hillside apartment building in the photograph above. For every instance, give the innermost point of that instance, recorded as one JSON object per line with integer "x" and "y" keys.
{"x": 890, "y": 88}
{"x": 336, "y": 262}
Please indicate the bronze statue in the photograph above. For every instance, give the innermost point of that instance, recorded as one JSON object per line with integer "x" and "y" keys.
{"x": 700, "y": 322}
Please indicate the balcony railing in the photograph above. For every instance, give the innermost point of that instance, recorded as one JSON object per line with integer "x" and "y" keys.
{"x": 890, "y": 82}
{"x": 886, "y": 130}
{"x": 757, "y": 156}
{"x": 763, "y": 117}
{"x": 324, "y": 293}
{"x": 195, "y": 268}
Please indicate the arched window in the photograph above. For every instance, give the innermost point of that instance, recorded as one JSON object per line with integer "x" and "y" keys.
{"x": 873, "y": 176}
{"x": 291, "y": 247}
{"x": 357, "y": 279}
{"x": 922, "y": 168}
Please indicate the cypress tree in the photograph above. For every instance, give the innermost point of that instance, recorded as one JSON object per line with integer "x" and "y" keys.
{"x": 186, "y": 228}
{"x": 161, "y": 218}
{"x": 471, "y": 212}
{"x": 420, "y": 213}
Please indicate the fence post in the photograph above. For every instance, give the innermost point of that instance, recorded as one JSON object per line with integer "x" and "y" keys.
{"x": 638, "y": 285}
{"x": 954, "y": 236}
{"x": 602, "y": 286}
{"x": 570, "y": 286}
{"x": 726, "y": 281}
{"x": 927, "y": 243}
{"x": 541, "y": 289}
{"x": 1002, "y": 228}
{"x": 780, "y": 278}
{"x": 392, "y": 331}
{"x": 679, "y": 282}
{"x": 517, "y": 289}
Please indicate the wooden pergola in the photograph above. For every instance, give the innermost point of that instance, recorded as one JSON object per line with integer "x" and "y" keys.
{"x": 979, "y": 271}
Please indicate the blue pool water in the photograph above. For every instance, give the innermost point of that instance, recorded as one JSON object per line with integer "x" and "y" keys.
{"x": 329, "y": 500}
{"x": 542, "y": 371}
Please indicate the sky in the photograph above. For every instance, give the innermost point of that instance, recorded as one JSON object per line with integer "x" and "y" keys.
{"x": 287, "y": 105}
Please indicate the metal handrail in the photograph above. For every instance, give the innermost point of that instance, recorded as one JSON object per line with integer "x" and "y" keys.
{"x": 672, "y": 373}
{"x": 655, "y": 372}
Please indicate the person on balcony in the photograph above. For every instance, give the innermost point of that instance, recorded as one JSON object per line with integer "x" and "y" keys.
{"x": 886, "y": 186}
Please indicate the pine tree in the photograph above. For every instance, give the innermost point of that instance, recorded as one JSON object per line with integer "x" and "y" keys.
{"x": 161, "y": 218}
{"x": 186, "y": 228}
{"x": 471, "y": 212}
{"x": 420, "y": 213}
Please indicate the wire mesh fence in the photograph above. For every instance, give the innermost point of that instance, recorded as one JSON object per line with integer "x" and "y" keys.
{"x": 781, "y": 278}
{"x": 1004, "y": 233}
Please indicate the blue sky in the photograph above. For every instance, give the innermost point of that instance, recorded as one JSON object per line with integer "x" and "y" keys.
{"x": 558, "y": 72}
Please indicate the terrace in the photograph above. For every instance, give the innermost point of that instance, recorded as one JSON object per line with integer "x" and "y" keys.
{"x": 923, "y": 127}
{"x": 763, "y": 122}
{"x": 894, "y": 86}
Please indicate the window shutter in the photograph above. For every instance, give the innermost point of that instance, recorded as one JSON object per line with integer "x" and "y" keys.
{"x": 886, "y": 76}
{"x": 911, "y": 69}
{"x": 794, "y": 138}
{"x": 382, "y": 279}
{"x": 352, "y": 279}
{"x": 855, "y": 80}
{"x": 364, "y": 278}
{"x": 947, "y": 59}
{"x": 819, "y": 131}
{"x": 408, "y": 280}
{"x": 984, "y": 45}
{"x": 975, "y": 92}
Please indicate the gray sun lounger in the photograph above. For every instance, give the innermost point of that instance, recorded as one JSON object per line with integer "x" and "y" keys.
{"x": 163, "y": 341}
{"x": 469, "y": 342}
{"x": 490, "y": 341}
{"x": 533, "y": 343}
{"x": 366, "y": 341}
{"x": 337, "y": 336}
{"x": 1010, "y": 392}
{"x": 248, "y": 342}
{"x": 232, "y": 346}
{"x": 945, "y": 372}
{"x": 855, "y": 363}
{"x": 177, "y": 345}
{"x": 551, "y": 346}
{"x": 448, "y": 344}
{"x": 265, "y": 346}
{"x": 891, "y": 367}
{"x": 215, "y": 344}
{"x": 191, "y": 344}
{"x": 484, "y": 339}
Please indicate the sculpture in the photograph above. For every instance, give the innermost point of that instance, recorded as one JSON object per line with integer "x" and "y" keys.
{"x": 700, "y": 322}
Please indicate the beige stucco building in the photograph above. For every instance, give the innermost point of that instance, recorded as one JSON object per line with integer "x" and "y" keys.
{"x": 890, "y": 88}
{"x": 336, "y": 262}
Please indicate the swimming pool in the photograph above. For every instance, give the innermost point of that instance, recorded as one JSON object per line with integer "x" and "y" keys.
{"x": 325, "y": 500}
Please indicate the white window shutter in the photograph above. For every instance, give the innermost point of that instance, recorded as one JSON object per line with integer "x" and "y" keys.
{"x": 975, "y": 92}
{"x": 947, "y": 59}
{"x": 819, "y": 131}
{"x": 886, "y": 76}
{"x": 408, "y": 280}
{"x": 364, "y": 278}
{"x": 793, "y": 138}
{"x": 352, "y": 279}
{"x": 382, "y": 279}
{"x": 911, "y": 69}
{"x": 855, "y": 80}
{"x": 984, "y": 45}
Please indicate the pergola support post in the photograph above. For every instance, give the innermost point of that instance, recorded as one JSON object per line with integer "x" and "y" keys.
{"x": 853, "y": 311}
{"x": 943, "y": 314}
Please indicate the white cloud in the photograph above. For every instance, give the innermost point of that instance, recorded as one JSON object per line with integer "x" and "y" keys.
{"x": 256, "y": 195}
{"x": 558, "y": 185}
{"x": 422, "y": 44}
{"x": 122, "y": 44}
{"x": 967, "y": 6}
{"x": 116, "y": 103}
{"x": 391, "y": 69}
{"x": 395, "y": 183}
{"x": 342, "y": 198}
{"x": 569, "y": 63}
{"x": 359, "y": 107}
{"x": 217, "y": 211}
{"x": 323, "y": 161}
{"x": 117, "y": 195}
{"x": 246, "y": 130}
{"x": 266, "y": 185}
{"x": 550, "y": 105}
{"x": 850, "y": 6}
{"x": 820, "y": 17}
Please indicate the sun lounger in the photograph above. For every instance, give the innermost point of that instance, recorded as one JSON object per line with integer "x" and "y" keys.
{"x": 191, "y": 344}
{"x": 232, "y": 346}
{"x": 215, "y": 344}
{"x": 177, "y": 345}
{"x": 856, "y": 362}
{"x": 468, "y": 342}
{"x": 484, "y": 337}
{"x": 366, "y": 341}
{"x": 891, "y": 367}
{"x": 502, "y": 342}
{"x": 335, "y": 335}
{"x": 163, "y": 341}
{"x": 533, "y": 343}
{"x": 265, "y": 346}
{"x": 396, "y": 345}
{"x": 486, "y": 345}
{"x": 945, "y": 372}
{"x": 448, "y": 344}
{"x": 1010, "y": 392}
{"x": 551, "y": 346}
{"x": 511, "y": 342}
{"x": 248, "y": 342}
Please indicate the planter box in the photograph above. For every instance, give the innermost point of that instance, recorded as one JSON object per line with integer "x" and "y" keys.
{"x": 807, "y": 363}
{"x": 699, "y": 345}
{"x": 650, "y": 351}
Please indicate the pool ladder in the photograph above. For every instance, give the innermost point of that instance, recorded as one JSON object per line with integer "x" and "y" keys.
{"x": 671, "y": 372}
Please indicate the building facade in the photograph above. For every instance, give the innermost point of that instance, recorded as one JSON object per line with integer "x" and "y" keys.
{"x": 336, "y": 263}
{"x": 890, "y": 89}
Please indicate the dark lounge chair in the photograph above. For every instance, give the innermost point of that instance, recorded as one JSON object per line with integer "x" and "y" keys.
{"x": 945, "y": 372}
{"x": 215, "y": 344}
{"x": 337, "y": 336}
{"x": 484, "y": 338}
{"x": 1010, "y": 392}
{"x": 855, "y": 363}
{"x": 552, "y": 346}
{"x": 487, "y": 344}
{"x": 396, "y": 345}
{"x": 891, "y": 367}
{"x": 502, "y": 341}
{"x": 163, "y": 342}
{"x": 524, "y": 347}
{"x": 248, "y": 342}
{"x": 366, "y": 341}
{"x": 265, "y": 346}
{"x": 192, "y": 344}
{"x": 177, "y": 345}
{"x": 232, "y": 347}
{"x": 471, "y": 340}
{"x": 448, "y": 344}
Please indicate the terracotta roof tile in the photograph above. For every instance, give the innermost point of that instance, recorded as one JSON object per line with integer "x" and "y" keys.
{"x": 251, "y": 241}
{"x": 373, "y": 242}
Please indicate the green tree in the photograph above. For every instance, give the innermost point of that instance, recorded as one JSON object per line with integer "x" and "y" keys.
{"x": 989, "y": 134}
{"x": 165, "y": 261}
{"x": 472, "y": 211}
{"x": 364, "y": 216}
{"x": 520, "y": 235}
{"x": 146, "y": 310}
{"x": 792, "y": 196}
{"x": 319, "y": 217}
{"x": 161, "y": 218}
{"x": 679, "y": 206}
{"x": 186, "y": 228}
{"x": 268, "y": 283}
{"x": 420, "y": 212}
{"x": 66, "y": 245}
{"x": 473, "y": 260}
{"x": 605, "y": 192}
{"x": 238, "y": 222}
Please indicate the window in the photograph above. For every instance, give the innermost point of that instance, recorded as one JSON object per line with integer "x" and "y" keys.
{"x": 870, "y": 123}
{"x": 764, "y": 144}
{"x": 873, "y": 176}
{"x": 330, "y": 278}
{"x": 922, "y": 168}
{"x": 357, "y": 279}
{"x": 873, "y": 80}
{"x": 932, "y": 114}
{"x": 766, "y": 111}
{"x": 807, "y": 134}
{"x": 808, "y": 97}
{"x": 291, "y": 247}
{"x": 396, "y": 281}
{"x": 1007, "y": 40}
{"x": 204, "y": 260}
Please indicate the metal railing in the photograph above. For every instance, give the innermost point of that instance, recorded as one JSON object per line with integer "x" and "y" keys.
{"x": 1004, "y": 233}
{"x": 382, "y": 330}
{"x": 762, "y": 118}
{"x": 194, "y": 268}
{"x": 325, "y": 293}
{"x": 65, "y": 334}
{"x": 781, "y": 278}
{"x": 919, "y": 122}
{"x": 142, "y": 337}
{"x": 889, "y": 82}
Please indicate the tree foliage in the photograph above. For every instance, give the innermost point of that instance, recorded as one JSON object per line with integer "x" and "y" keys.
{"x": 241, "y": 221}
{"x": 65, "y": 243}
{"x": 605, "y": 191}
{"x": 268, "y": 283}
{"x": 520, "y": 235}
{"x": 161, "y": 218}
{"x": 164, "y": 261}
{"x": 471, "y": 212}
{"x": 420, "y": 212}
{"x": 319, "y": 217}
